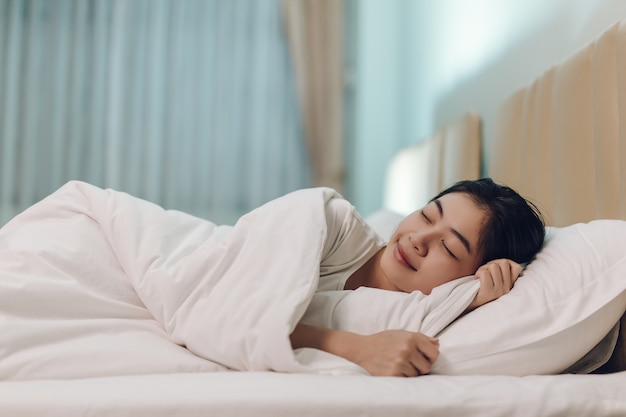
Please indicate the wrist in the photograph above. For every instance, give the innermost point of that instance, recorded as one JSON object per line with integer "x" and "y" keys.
{"x": 338, "y": 342}
{"x": 342, "y": 343}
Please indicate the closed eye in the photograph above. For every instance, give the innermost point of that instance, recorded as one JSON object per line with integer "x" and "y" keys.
{"x": 425, "y": 217}
{"x": 447, "y": 249}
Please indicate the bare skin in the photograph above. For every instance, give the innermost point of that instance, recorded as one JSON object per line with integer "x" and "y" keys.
{"x": 430, "y": 247}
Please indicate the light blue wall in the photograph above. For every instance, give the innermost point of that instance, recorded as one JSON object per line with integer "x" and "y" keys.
{"x": 377, "y": 97}
{"x": 423, "y": 63}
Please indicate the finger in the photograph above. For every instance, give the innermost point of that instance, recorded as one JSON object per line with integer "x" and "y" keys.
{"x": 516, "y": 270}
{"x": 480, "y": 270}
{"x": 413, "y": 364}
{"x": 504, "y": 279}
{"x": 510, "y": 271}
{"x": 486, "y": 283}
{"x": 420, "y": 363}
{"x": 486, "y": 280}
{"x": 423, "y": 354}
{"x": 485, "y": 268}
{"x": 513, "y": 270}
{"x": 409, "y": 370}
{"x": 488, "y": 291}
{"x": 498, "y": 277}
{"x": 428, "y": 350}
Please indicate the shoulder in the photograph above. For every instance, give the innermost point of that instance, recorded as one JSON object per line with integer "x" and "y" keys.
{"x": 342, "y": 217}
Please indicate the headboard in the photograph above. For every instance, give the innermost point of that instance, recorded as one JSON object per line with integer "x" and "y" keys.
{"x": 564, "y": 136}
{"x": 561, "y": 141}
{"x": 451, "y": 154}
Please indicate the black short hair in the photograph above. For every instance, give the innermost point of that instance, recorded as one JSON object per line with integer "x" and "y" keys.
{"x": 514, "y": 227}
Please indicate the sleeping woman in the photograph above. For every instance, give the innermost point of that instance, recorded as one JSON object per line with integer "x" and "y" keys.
{"x": 133, "y": 288}
{"x": 472, "y": 228}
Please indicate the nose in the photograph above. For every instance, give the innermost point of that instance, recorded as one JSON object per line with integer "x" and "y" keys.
{"x": 420, "y": 240}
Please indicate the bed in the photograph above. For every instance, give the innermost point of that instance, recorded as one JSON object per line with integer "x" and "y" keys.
{"x": 508, "y": 358}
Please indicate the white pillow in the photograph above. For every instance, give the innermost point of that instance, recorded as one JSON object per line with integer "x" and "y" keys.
{"x": 565, "y": 303}
{"x": 598, "y": 356}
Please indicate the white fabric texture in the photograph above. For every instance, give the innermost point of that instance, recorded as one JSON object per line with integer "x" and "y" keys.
{"x": 270, "y": 394}
{"x": 99, "y": 283}
{"x": 370, "y": 310}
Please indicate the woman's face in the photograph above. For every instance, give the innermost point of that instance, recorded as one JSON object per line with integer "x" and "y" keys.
{"x": 433, "y": 245}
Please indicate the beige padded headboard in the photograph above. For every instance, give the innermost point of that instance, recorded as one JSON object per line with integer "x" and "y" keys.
{"x": 562, "y": 140}
{"x": 420, "y": 171}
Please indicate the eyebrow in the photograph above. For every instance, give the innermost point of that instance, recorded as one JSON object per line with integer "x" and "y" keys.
{"x": 462, "y": 238}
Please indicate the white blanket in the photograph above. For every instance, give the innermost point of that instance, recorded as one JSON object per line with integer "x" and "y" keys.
{"x": 97, "y": 283}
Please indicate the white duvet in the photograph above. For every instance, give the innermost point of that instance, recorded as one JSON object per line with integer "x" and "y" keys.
{"x": 99, "y": 283}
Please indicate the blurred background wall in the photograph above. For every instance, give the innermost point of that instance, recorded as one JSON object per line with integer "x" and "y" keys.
{"x": 419, "y": 64}
{"x": 216, "y": 106}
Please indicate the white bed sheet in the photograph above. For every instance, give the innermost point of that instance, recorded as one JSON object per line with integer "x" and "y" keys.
{"x": 269, "y": 394}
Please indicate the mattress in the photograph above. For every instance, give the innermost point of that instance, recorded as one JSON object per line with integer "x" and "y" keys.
{"x": 262, "y": 394}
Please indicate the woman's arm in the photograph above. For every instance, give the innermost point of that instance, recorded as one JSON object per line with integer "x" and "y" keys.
{"x": 388, "y": 353}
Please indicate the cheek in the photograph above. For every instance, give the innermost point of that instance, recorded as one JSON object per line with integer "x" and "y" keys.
{"x": 441, "y": 270}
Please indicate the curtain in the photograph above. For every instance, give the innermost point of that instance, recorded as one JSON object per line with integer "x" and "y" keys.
{"x": 190, "y": 104}
{"x": 315, "y": 29}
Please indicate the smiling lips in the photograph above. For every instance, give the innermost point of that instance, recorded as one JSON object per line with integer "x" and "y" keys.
{"x": 402, "y": 258}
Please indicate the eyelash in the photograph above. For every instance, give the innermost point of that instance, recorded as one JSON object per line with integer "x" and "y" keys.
{"x": 447, "y": 250}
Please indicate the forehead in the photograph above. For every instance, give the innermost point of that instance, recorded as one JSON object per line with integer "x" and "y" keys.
{"x": 462, "y": 213}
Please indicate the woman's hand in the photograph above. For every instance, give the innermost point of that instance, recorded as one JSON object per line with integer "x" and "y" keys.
{"x": 388, "y": 353}
{"x": 397, "y": 353}
{"x": 496, "y": 279}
